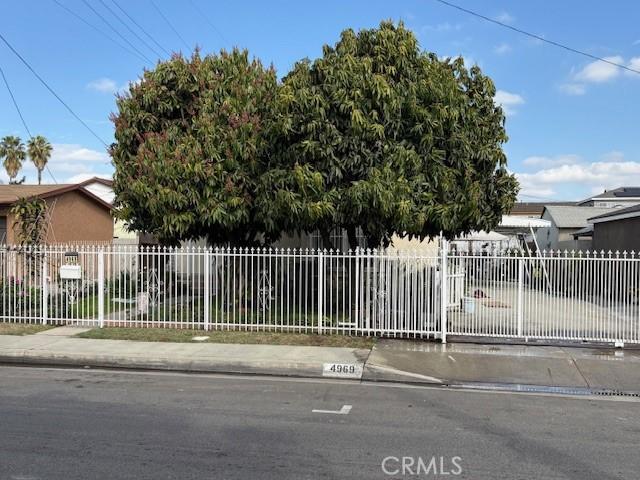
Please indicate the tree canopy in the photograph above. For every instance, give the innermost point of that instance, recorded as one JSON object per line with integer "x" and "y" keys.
{"x": 191, "y": 146}
{"x": 404, "y": 141}
{"x": 374, "y": 135}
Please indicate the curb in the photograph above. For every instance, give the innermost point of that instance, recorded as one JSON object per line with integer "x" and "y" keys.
{"x": 285, "y": 369}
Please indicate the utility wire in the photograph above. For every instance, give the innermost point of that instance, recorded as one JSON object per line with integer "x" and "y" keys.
{"x": 141, "y": 28}
{"x": 126, "y": 40}
{"x": 117, "y": 16}
{"x": 537, "y": 37}
{"x": 75, "y": 115}
{"x": 170, "y": 25}
{"x": 101, "y": 32}
{"x": 24, "y": 123}
{"x": 14, "y": 102}
{"x": 203, "y": 15}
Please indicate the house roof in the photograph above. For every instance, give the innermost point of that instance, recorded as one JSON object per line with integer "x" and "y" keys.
{"x": 11, "y": 193}
{"x": 533, "y": 208}
{"x": 569, "y": 216}
{"x": 617, "y": 214}
{"x": 583, "y": 232}
{"x": 104, "y": 181}
{"x": 620, "y": 193}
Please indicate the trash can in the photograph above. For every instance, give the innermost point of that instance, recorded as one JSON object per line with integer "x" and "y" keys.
{"x": 469, "y": 305}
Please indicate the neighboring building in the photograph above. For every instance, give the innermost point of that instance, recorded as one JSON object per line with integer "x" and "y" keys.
{"x": 617, "y": 230}
{"x": 533, "y": 209}
{"x": 566, "y": 220}
{"x": 617, "y": 198}
{"x": 74, "y": 213}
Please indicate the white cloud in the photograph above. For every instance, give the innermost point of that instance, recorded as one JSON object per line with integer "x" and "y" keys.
{"x": 508, "y": 101}
{"x": 71, "y": 152}
{"x": 634, "y": 63}
{"x": 575, "y": 89}
{"x": 103, "y": 85}
{"x": 599, "y": 71}
{"x": 505, "y": 17}
{"x": 502, "y": 49}
{"x": 569, "y": 176}
{"x": 542, "y": 161}
{"x": 442, "y": 27}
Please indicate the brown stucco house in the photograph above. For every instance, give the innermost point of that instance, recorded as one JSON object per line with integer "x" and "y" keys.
{"x": 74, "y": 213}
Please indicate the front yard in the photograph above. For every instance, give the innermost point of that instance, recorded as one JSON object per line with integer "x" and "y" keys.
{"x": 21, "y": 329}
{"x": 223, "y": 336}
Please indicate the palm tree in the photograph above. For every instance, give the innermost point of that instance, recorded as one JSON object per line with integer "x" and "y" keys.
{"x": 12, "y": 149}
{"x": 39, "y": 150}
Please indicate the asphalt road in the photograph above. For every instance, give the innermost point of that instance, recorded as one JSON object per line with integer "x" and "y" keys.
{"x": 89, "y": 424}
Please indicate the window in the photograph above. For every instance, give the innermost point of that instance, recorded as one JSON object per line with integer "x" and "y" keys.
{"x": 3, "y": 230}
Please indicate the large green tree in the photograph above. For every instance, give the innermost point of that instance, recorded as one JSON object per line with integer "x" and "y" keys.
{"x": 13, "y": 153}
{"x": 191, "y": 146}
{"x": 379, "y": 135}
{"x": 375, "y": 135}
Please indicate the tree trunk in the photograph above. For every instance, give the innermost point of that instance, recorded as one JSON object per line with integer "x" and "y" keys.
{"x": 39, "y": 176}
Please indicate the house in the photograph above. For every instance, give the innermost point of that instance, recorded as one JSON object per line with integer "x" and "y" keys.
{"x": 617, "y": 198}
{"x": 73, "y": 214}
{"x": 566, "y": 220}
{"x": 617, "y": 230}
{"x": 533, "y": 209}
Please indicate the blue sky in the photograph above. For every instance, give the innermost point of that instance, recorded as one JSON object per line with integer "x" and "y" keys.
{"x": 572, "y": 125}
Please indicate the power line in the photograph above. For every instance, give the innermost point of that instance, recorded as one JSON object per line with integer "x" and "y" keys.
{"x": 537, "y": 37}
{"x": 170, "y": 25}
{"x": 52, "y": 91}
{"x": 141, "y": 28}
{"x": 126, "y": 40}
{"x": 24, "y": 123}
{"x": 14, "y": 102}
{"x": 199, "y": 10}
{"x": 101, "y": 32}
{"x": 144, "y": 42}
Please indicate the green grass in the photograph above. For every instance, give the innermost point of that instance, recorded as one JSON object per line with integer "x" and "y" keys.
{"x": 21, "y": 329}
{"x": 223, "y": 336}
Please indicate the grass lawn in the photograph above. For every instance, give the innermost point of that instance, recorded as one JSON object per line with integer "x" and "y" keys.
{"x": 21, "y": 329}
{"x": 222, "y": 336}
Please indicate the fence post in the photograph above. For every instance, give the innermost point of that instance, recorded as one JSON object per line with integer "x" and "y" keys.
{"x": 320, "y": 289}
{"x": 207, "y": 294}
{"x": 444, "y": 294}
{"x": 357, "y": 289}
{"x": 101, "y": 287}
{"x": 520, "y": 288}
{"x": 45, "y": 289}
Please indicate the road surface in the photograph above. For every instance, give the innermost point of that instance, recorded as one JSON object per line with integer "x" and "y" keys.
{"x": 91, "y": 424}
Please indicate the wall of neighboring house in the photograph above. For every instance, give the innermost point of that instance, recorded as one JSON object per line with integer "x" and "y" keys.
{"x": 547, "y": 237}
{"x": 74, "y": 218}
{"x": 554, "y": 238}
{"x": 618, "y": 235}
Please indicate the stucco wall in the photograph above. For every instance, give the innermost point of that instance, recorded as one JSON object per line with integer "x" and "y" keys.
{"x": 618, "y": 235}
{"x": 74, "y": 218}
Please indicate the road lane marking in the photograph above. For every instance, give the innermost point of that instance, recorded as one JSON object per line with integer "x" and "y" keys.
{"x": 343, "y": 411}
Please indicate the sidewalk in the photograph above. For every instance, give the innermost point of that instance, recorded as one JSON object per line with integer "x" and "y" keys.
{"x": 389, "y": 360}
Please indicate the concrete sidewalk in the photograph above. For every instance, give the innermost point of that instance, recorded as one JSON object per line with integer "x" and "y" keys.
{"x": 464, "y": 363}
{"x": 389, "y": 360}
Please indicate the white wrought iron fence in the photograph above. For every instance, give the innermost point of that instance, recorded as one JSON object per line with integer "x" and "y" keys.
{"x": 366, "y": 292}
{"x": 581, "y": 296}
